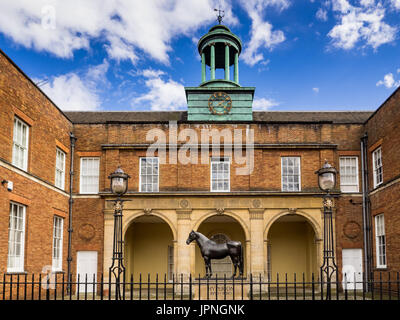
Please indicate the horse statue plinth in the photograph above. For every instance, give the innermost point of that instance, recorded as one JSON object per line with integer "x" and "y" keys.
{"x": 212, "y": 250}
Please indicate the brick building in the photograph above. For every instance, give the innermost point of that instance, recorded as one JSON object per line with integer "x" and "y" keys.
{"x": 272, "y": 206}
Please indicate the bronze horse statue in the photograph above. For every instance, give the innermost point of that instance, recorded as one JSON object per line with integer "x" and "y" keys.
{"x": 212, "y": 250}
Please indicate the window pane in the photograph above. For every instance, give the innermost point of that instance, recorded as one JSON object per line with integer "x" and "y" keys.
{"x": 16, "y": 238}
{"x": 220, "y": 179}
{"x": 90, "y": 175}
{"x": 149, "y": 174}
{"x": 290, "y": 173}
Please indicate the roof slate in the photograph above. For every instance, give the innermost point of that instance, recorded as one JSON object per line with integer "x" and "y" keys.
{"x": 98, "y": 117}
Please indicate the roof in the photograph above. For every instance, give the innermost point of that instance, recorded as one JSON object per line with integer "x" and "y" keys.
{"x": 99, "y": 117}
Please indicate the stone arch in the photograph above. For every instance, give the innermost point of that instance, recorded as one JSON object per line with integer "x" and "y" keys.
{"x": 292, "y": 245}
{"x": 227, "y": 224}
{"x": 140, "y": 213}
{"x": 314, "y": 224}
{"x": 149, "y": 241}
{"x": 231, "y": 214}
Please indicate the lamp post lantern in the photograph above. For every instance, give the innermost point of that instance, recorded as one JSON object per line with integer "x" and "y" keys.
{"x": 327, "y": 182}
{"x": 119, "y": 186}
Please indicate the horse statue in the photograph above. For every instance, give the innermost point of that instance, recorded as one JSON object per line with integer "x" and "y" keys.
{"x": 212, "y": 250}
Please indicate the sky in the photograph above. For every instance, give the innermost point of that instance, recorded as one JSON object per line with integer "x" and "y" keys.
{"x": 127, "y": 55}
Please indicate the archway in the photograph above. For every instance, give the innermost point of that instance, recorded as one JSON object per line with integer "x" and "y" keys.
{"x": 292, "y": 249}
{"x": 220, "y": 228}
{"x": 149, "y": 248}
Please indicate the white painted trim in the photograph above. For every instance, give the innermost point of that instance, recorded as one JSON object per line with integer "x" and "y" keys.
{"x": 357, "y": 176}
{"x": 226, "y": 159}
{"x": 80, "y": 176}
{"x": 63, "y": 170}
{"x": 20, "y": 268}
{"x": 140, "y": 175}
{"x": 27, "y": 175}
{"x": 282, "y": 173}
{"x": 378, "y": 265}
{"x": 374, "y": 167}
{"x": 26, "y": 153}
{"x": 61, "y": 244}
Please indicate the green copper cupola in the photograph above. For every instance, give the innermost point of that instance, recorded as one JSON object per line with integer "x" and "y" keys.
{"x": 219, "y": 99}
{"x": 219, "y": 49}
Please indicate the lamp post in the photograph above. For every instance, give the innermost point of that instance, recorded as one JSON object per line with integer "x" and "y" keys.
{"x": 327, "y": 181}
{"x": 119, "y": 186}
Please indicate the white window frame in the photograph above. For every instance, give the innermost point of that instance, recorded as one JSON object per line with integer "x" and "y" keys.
{"x": 282, "y": 175}
{"x": 140, "y": 174}
{"x": 18, "y": 265}
{"x": 58, "y": 236}
{"x": 220, "y": 160}
{"x": 380, "y": 241}
{"x": 347, "y": 187}
{"x": 60, "y": 169}
{"x": 375, "y": 153}
{"x": 81, "y": 189}
{"x": 18, "y": 147}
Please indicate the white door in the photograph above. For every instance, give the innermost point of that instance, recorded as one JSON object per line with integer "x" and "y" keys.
{"x": 86, "y": 265}
{"x": 352, "y": 269}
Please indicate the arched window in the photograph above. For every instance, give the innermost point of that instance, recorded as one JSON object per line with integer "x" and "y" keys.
{"x": 221, "y": 267}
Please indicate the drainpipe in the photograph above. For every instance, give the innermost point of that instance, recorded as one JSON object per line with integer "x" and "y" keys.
{"x": 71, "y": 201}
{"x": 365, "y": 209}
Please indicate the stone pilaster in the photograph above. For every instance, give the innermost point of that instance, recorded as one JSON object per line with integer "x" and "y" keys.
{"x": 183, "y": 261}
{"x": 108, "y": 244}
{"x": 257, "y": 242}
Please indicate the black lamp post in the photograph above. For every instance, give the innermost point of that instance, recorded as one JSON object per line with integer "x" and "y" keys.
{"x": 119, "y": 186}
{"x": 327, "y": 182}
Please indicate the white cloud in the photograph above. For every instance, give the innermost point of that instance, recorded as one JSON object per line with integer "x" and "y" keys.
{"x": 316, "y": 90}
{"x": 389, "y": 81}
{"x": 367, "y": 3}
{"x": 264, "y": 104}
{"x": 364, "y": 23}
{"x": 74, "y": 92}
{"x": 322, "y": 14}
{"x": 126, "y": 27}
{"x": 163, "y": 94}
{"x": 69, "y": 92}
{"x": 262, "y": 33}
{"x": 396, "y": 4}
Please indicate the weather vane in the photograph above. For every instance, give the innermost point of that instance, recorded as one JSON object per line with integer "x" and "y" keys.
{"x": 221, "y": 14}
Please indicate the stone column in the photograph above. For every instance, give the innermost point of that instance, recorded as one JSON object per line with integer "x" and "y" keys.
{"x": 108, "y": 245}
{"x": 203, "y": 67}
{"x": 236, "y": 67}
{"x": 212, "y": 62}
{"x": 257, "y": 242}
{"x": 226, "y": 61}
{"x": 183, "y": 259}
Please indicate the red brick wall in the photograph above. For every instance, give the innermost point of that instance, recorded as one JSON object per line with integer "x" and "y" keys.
{"x": 42, "y": 204}
{"x": 88, "y": 226}
{"x": 349, "y": 226}
{"x": 48, "y": 128}
{"x": 195, "y": 177}
{"x": 383, "y": 130}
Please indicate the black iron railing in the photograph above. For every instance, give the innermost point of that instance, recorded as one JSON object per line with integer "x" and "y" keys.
{"x": 379, "y": 286}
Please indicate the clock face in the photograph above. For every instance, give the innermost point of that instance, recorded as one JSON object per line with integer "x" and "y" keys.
{"x": 220, "y": 103}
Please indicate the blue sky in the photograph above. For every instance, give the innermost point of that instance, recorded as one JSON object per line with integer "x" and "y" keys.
{"x": 301, "y": 55}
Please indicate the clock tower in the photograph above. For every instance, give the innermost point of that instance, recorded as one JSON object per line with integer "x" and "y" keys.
{"x": 220, "y": 99}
